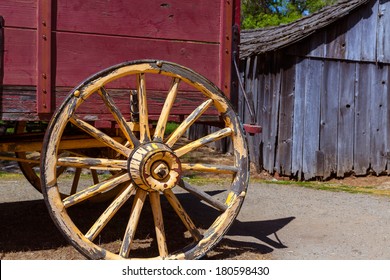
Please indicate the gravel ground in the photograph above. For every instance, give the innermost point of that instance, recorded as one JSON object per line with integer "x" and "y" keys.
{"x": 292, "y": 222}
{"x": 276, "y": 222}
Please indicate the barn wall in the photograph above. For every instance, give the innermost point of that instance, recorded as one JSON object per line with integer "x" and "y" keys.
{"x": 324, "y": 103}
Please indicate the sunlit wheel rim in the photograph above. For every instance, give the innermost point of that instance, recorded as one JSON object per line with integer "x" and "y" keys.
{"x": 204, "y": 241}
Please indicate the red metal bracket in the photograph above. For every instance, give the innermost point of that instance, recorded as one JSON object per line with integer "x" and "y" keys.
{"x": 44, "y": 57}
{"x": 252, "y": 128}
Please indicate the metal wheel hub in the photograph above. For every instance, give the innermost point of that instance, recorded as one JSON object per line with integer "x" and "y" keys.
{"x": 154, "y": 167}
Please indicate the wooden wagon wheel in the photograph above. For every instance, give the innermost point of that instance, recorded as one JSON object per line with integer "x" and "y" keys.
{"x": 154, "y": 168}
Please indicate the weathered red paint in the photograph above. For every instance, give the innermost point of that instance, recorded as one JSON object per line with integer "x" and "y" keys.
{"x": 44, "y": 57}
{"x": 252, "y": 128}
{"x": 50, "y": 45}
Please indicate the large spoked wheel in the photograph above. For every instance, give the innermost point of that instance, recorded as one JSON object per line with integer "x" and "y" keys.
{"x": 160, "y": 212}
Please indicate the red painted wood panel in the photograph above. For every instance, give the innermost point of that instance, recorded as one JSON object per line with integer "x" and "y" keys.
{"x": 19, "y": 13}
{"x": 174, "y": 19}
{"x": 95, "y": 110}
{"x": 19, "y": 57}
{"x": 89, "y": 36}
{"x": 81, "y": 55}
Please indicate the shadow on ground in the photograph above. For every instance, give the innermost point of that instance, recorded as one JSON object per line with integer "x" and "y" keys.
{"x": 26, "y": 226}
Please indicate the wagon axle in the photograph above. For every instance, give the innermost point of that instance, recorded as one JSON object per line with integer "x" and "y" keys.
{"x": 154, "y": 167}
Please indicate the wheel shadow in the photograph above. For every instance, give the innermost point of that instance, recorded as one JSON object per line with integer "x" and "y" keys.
{"x": 27, "y": 226}
{"x": 264, "y": 234}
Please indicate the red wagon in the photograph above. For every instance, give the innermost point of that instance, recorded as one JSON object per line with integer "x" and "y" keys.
{"x": 115, "y": 126}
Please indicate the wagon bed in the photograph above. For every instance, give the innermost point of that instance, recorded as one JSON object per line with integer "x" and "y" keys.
{"x": 50, "y": 46}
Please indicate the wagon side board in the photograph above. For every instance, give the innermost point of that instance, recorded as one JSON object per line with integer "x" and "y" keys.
{"x": 1, "y": 54}
{"x": 50, "y": 46}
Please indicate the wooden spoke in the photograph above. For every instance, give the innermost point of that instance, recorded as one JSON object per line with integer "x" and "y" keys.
{"x": 109, "y": 213}
{"x": 188, "y": 122}
{"x": 94, "y": 176}
{"x": 96, "y": 189}
{"x": 188, "y": 223}
{"x": 203, "y": 196}
{"x": 203, "y": 141}
{"x": 33, "y": 162}
{"x": 97, "y": 163}
{"x": 121, "y": 121}
{"x": 143, "y": 109}
{"x": 138, "y": 204}
{"x": 101, "y": 136}
{"x": 75, "y": 182}
{"x": 201, "y": 167}
{"x": 158, "y": 223}
{"x": 162, "y": 121}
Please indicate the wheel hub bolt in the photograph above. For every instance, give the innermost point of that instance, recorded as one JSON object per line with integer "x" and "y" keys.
{"x": 160, "y": 170}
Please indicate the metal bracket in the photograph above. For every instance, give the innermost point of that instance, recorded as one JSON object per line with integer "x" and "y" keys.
{"x": 251, "y": 128}
{"x": 249, "y": 102}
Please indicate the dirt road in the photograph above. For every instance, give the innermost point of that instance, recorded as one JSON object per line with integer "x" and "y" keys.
{"x": 291, "y": 222}
{"x": 276, "y": 222}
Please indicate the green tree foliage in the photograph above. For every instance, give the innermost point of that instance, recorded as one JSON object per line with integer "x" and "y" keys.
{"x": 263, "y": 13}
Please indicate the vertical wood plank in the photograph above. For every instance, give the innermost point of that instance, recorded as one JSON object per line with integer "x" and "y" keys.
{"x": 313, "y": 81}
{"x": 225, "y": 42}
{"x": 383, "y": 45}
{"x": 255, "y": 139}
{"x": 354, "y": 36}
{"x": 335, "y": 38}
{"x": 346, "y": 118}
{"x": 267, "y": 115}
{"x": 286, "y": 118}
{"x": 259, "y": 139}
{"x": 249, "y": 84}
{"x": 387, "y": 149}
{"x": 317, "y": 44}
{"x": 378, "y": 113}
{"x": 369, "y": 22}
{"x": 298, "y": 123}
{"x": 276, "y": 87}
{"x": 45, "y": 79}
{"x": 329, "y": 113}
{"x": 362, "y": 120}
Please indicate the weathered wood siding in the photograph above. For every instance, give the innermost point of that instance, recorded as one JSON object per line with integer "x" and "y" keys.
{"x": 324, "y": 102}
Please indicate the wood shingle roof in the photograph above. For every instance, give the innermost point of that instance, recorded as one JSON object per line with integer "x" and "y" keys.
{"x": 263, "y": 40}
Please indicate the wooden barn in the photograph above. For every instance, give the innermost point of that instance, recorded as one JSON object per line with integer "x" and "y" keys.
{"x": 320, "y": 90}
